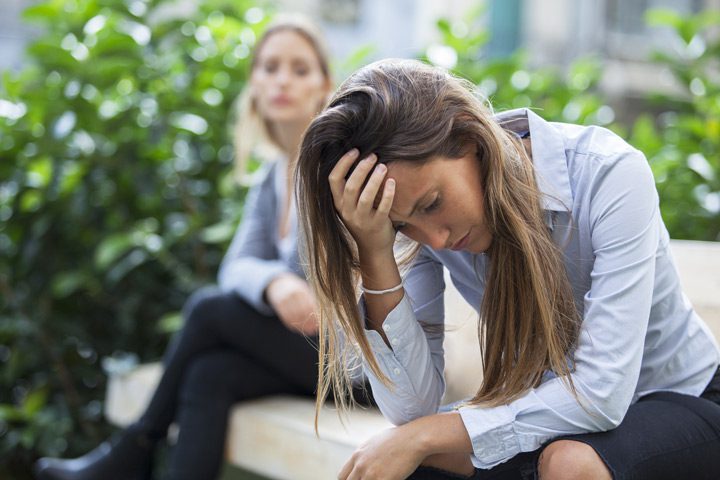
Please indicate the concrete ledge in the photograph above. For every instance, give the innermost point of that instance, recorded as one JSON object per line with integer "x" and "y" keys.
{"x": 261, "y": 429}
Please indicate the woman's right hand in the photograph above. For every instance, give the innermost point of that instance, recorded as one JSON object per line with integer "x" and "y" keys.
{"x": 369, "y": 224}
{"x": 294, "y": 303}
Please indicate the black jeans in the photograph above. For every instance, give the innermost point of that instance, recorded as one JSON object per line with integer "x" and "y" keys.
{"x": 226, "y": 352}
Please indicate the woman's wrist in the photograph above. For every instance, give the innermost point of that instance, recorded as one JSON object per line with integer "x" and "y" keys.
{"x": 381, "y": 292}
{"x": 440, "y": 433}
{"x": 379, "y": 270}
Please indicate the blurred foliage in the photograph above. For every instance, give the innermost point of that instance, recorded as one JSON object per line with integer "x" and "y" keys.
{"x": 569, "y": 95}
{"x": 116, "y": 199}
{"x": 682, "y": 142}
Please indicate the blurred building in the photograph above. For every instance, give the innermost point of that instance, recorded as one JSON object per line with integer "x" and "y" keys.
{"x": 552, "y": 31}
{"x": 558, "y": 31}
{"x": 14, "y": 34}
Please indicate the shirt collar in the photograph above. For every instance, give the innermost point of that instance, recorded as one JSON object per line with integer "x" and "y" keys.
{"x": 548, "y": 152}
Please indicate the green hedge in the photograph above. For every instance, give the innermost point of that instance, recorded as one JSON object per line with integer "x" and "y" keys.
{"x": 116, "y": 200}
{"x": 682, "y": 139}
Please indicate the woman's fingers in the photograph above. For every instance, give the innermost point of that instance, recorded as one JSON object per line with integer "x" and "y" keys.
{"x": 361, "y": 189}
{"x": 355, "y": 195}
{"x": 354, "y": 184}
{"x": 338, "y": 174}
{"x": 345, "y": 471}
{"x": 386, "y": 200}
{"x": 373, "y": 186}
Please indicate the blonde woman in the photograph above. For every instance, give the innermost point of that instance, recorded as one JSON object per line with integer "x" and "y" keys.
{"x": 255, "y": 334}
{"x": 595, "y": 365}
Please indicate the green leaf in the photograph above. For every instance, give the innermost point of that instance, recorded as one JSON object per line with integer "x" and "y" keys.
{"x": 10, "y": 413}
{"x": 43, "y": 11}
{"x": 444, "y": 26}
{"x": 39, "y": 172}
{"x": 170, "y": 322}
{"x": 67, "y": 283}
{"x": 663, "y": 17}
{"x": 645, "y": 137}
{"x": 112, "y": 248}
{"x": 30, "y": 201}
{"x": 218, "y": 233}
{"x": 34, "y": 401}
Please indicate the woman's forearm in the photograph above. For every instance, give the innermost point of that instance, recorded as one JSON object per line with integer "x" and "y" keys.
{"x": 380, "y": 272}
{"x": 440, "y": 433}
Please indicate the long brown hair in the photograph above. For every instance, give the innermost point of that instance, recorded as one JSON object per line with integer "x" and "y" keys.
{"x": 404, "y": 110}
{"x": 253, "y": 133}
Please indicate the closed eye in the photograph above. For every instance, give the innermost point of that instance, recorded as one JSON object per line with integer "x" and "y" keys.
{"x": 433, "y": 206}
{"x": 425, "y": 210}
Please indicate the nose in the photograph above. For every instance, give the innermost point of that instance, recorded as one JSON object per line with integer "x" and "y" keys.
{"x": 283, "y": 76}
{"x": 434, "y": 236}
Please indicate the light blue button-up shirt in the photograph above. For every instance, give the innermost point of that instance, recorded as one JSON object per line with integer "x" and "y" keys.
{"x": 639, "y": 332}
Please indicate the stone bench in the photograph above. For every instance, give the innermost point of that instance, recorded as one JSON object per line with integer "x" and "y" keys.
{"x": 275, "y": 437}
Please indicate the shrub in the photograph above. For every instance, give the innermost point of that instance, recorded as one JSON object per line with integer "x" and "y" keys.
{"x": 682, "y": 142}
{"x": 115, "y": 199}
{"x": 569, "y": 95}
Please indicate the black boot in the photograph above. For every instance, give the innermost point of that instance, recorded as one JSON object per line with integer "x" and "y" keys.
{"x": 127, "y": 456}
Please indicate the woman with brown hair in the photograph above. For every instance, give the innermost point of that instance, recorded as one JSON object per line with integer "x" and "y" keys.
{"x": 595, "y": 365}
{"x": 255, "y": 335}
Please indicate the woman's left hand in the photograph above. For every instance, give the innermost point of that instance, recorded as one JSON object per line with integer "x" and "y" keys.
{"x": 390, "y": 455}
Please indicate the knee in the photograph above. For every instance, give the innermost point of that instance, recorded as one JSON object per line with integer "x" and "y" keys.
{"x": 567, "y": 459}
{"x": 204, "y": 303}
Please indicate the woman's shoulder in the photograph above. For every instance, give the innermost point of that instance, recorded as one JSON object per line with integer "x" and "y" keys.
{"x": 594, "y": 141}
{"x": 595, "y": 155}
{"x": 265, "y": 172}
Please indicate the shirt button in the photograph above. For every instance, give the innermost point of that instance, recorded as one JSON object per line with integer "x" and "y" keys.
{"x": 394, "y": 341}
{"x": 386, "y": 327}
{"x": 396, "y": 371}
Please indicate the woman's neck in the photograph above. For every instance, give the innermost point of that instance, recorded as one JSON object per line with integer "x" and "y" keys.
{"x": 288, "y": 136}
{"x": 527, "y": 143}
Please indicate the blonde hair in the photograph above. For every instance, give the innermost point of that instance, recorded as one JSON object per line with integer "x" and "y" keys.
{"x": 530, "y": 321}
{"x": 253, "y": 134}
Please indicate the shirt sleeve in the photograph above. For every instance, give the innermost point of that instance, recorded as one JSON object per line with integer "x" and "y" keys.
{"x": 252, "y": 260}
{"x": 415, "y": 362}
{"x": 624, "y": 231}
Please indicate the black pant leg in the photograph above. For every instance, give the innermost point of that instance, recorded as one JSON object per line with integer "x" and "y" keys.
{"x": 214, "y": 382}
{"x": 215, "y": 319}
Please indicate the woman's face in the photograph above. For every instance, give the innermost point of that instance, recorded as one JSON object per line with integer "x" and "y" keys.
{"x": 287, "y": 80}
{"x": 440, "y": 203}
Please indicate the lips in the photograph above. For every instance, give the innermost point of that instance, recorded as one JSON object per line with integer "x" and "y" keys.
{"x": 281, "y": 100}
{"x": 462, "y": 243}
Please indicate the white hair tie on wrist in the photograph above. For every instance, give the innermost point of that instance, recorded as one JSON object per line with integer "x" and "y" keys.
{"x": 381, "y": 292}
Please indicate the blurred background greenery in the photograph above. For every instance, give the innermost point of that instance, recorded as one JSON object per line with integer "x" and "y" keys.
{"x": 117, "y": 197}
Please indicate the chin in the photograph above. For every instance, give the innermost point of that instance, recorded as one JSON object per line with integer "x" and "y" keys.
{"x": 285, "y": 113}
{"x": 483, "y": 245}
{"x": 280, "y": 115}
